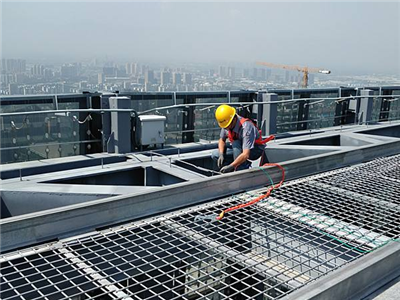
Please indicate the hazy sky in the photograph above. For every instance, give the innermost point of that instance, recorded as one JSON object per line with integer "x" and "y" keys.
{"x": 338, "y": 36}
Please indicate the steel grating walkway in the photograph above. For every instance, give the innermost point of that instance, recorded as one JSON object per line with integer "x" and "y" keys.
{"x": 306, "y": 229}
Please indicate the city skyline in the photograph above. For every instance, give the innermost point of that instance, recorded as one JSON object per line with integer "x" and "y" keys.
{"x": 348, "y": 38}
{"x": 24, "y": 77}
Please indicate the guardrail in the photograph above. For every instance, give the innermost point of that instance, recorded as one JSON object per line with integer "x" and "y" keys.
{"x": 85, "y": 128}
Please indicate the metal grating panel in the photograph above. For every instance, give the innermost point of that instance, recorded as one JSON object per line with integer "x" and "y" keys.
{"x": 306, "y": 229}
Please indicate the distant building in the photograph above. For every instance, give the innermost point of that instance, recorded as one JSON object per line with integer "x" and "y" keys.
{"x": 222, "y": 71}
{"x": 187, "y": 78}
{"x": 269, "y": 74}
{"x": 231, "y": 72}
{"x": 245, "y": 73}
{"x": 143, "y": 69}
{"x": 128, "y": 68}
{"x": 127, "y": 85}
{"x": 82, "y": 85}
{"x": 110, "y": 71}
{"x": 100, "y": 78}
{"x": 165, "y": 78}
{"x": 13, "y": 65}
{"x": 69, "y": 71}
{"x": 13, "y": 89}
{"x": 149, "y": 77}
{"x": 37, "y": 70}
{"x": 263, "y": 74}
{"x": 20, "y": 78}
{"x": 255, "y": 73}
{"x": 177, "y": 78}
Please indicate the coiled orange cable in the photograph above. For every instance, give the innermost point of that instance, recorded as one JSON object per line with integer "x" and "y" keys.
{"x": 259, "y": 198}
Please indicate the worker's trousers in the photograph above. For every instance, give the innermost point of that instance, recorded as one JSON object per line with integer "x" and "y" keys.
{"x": 255, "y": 153}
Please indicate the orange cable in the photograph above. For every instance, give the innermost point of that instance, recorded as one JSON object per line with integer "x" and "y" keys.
{"x": 259, "y": 198}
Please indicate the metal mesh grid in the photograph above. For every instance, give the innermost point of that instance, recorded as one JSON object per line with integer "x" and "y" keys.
{"x": 305, "y": 230}
{"x": 379, "y": 178}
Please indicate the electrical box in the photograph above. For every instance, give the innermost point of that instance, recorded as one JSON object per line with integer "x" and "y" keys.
{"x": 150, "y": 130}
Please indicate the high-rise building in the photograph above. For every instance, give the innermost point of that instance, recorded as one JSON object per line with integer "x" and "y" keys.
{"x": 263, "y": 76}
{"x": 269, "y": 74}
{"x": 231, "y": 72}
{"x": 19, "y": 78}
{"x": 48, "y": 73}
{"x": 127, "y": 85}
{"x": 286, "y": 76}
{"x": 13, "y": 65}
{"x": 100, "y": 78}
{"x": 177, "y": 78}
{"x": 69, "y": 71}
{"x": 187, "y": 78}
{"x": 143, "y": 69}
{"x": 222, "y": 71}
{"x": 82, "y": 85}
{"x": 245, "y": 73}
{"x": 255, "y": 73}
{"x": 110, "y": 71}
{"x": 13, "y": 89}
{"x": 165, "y": 78}
{"x": 149, "y": 76}
{"x": 38, "y": 70}
{"x": 128, "y": 68}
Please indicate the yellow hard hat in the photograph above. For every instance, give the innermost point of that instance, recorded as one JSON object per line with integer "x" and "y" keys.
{"x": 224, "y": 115}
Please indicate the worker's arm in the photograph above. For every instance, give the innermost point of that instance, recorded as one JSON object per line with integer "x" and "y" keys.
{"x": 241, "y": 158}
{"x": 221, "y": 145}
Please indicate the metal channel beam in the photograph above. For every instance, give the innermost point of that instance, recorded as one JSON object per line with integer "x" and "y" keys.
{"x": 80, "y": 218}
{"x": 355, "y": 280}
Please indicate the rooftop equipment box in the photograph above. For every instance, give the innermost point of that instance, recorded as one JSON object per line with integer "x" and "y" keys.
{"x": 150, "y": 130}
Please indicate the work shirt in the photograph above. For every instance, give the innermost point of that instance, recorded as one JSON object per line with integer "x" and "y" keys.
{"x": 247, "y": 134}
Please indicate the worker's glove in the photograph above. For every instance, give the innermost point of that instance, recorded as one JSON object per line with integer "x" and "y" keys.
{"x": 220, "y": 161}
{"x": 227, "y": 169}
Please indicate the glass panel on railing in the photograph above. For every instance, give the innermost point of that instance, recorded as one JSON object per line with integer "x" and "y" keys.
{"x": 394, "y": 111}
{"x": 376, "y": 109}
{"x": 24, "y": 105}
{"x": 321, "y": 113}
{"x": 72, "y": 102}
{"x": 173, "y": 124}
{"x": 142, "y": 103}
{"x": 205, "y": 124}
{"x": 287, "y": 114}
{"x": 44, "y": 135}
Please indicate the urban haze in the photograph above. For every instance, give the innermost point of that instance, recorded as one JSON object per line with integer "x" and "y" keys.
{"x": 50, "y": 47}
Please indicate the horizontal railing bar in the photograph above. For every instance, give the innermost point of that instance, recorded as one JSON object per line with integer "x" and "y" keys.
{"x": 192, "y": 104}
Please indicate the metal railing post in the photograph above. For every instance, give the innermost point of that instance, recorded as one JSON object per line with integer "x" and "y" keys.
{"x": 269, "y": 114}
{"x": 366, "y": 106}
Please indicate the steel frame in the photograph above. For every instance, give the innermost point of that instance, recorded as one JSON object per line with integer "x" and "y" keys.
{"x": 307, "y": 229}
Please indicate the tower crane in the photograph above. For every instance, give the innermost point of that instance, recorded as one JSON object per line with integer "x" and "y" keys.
{"x": 304, "y": 70}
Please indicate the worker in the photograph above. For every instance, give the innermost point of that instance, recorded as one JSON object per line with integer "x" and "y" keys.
{"x": 246, "y": 140}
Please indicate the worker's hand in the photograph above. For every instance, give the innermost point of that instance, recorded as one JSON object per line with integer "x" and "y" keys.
{"x": 220, "y": 161}
{"x": 227, "y": 169}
